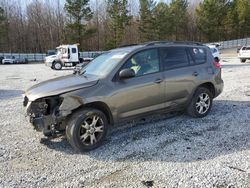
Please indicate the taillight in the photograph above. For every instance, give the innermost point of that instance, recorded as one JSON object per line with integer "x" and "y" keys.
{"x": 217, "y": 64}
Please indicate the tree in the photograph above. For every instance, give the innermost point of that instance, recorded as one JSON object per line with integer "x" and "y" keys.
{"x": 118, "y": 19}
{"x": 147, "y": 20}
{"x": 2, "y": 16}
{"x": 79, "y": 14}
{"x": 2, "y": 23}
{"x": 232, "y": 22}
{"x": 211, "y": 15}
{"x": 238, "y": 17}
{"x": 163, "y": 21}
{"x": 178, "y": 9}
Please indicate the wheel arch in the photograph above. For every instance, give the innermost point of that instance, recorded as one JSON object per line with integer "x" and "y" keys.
{"x": 99, "y": 106}
{"x": 210, "y": 86}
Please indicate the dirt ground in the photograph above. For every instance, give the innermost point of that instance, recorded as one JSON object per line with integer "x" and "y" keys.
{"x": 171, "y": 150}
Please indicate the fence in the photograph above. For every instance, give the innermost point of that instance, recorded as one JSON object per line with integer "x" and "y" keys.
{"x": 233, "y": 43}
{"x": 38, "y": 57}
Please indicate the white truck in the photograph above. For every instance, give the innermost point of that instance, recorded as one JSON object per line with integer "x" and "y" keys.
{"x": 51, "y": 59}
{"x": 66, "y": 56}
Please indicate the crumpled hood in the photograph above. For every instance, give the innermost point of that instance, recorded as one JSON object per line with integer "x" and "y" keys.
{"x": 60, "y": 85}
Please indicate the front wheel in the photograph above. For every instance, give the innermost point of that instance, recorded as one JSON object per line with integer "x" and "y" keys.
{"x": 86, "y": 129}
{"x": 201, "y": 103}
{"x": 57, "y": 65}
{"x": 242, "y": 60}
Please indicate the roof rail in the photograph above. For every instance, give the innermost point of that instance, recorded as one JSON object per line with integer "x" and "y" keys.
{"x": 172, "y": 42}
{"x": 127, "y": 45}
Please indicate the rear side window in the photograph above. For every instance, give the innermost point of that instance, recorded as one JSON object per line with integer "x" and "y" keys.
{"x": 198, "y": 55}
{"x": 246, "y": 48}
{"x": 174, "y": 57}
{"x": 73, "y": 50}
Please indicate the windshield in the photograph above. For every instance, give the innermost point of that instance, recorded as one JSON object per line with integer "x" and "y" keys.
{"x": 8, "y": 57}
{"x": 60, "y": 51}
{"x": 104, "y": 64}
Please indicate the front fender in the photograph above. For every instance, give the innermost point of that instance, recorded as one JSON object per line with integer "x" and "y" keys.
{"x": 69, "y": 104}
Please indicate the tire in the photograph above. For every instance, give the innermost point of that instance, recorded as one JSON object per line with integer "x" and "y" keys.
{"x": 79, "y": 132}
{"x": 57, "y": 65}
{"x": 53, "y": 65}
{"x": 48, "y": 134}
{"x": 242, "y": 60}
{"x": 200, "y": 108}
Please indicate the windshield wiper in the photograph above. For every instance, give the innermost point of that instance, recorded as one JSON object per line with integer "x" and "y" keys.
{"x": 77, "y": 70}
{"x": 83, "y": 72}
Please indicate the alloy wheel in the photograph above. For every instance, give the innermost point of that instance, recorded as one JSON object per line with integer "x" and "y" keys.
{"x": 203, "y": 103}
{"x": 91, "y": 130}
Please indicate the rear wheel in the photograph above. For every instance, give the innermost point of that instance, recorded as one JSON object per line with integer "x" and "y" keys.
{"x": 242, "y": 60}
{"x": 86, "y": 129}
{"x": 201, "y": 103}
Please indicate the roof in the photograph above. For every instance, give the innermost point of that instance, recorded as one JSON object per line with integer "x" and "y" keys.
{"x": 67, "y": 45}
{"x": 129, "y": 48}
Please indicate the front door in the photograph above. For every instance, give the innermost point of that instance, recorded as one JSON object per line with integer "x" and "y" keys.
{"x": 144, "y": 92}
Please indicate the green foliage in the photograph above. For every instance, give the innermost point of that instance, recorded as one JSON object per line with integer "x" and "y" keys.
{"x": 2, "y": 17}
{"x": 3, "y": 29}
{"x": 79, "y": 14}
{"x": 163, "y": 21}
{"x": 231, "y": 22}
{"x": 241, "y": 12}
{"x": 118, "y": 19}
{"x": 178, "y": 9}
{"x": 147, "y": 20}
{"x": 211, "y": 15}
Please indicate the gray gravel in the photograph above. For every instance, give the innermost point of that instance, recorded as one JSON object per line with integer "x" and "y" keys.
{"x": 171, "y": 150}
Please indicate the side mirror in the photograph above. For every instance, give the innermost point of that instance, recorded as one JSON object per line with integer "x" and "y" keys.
{"x": 126, "y": 73}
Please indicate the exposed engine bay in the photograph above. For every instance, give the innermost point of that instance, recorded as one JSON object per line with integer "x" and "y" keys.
{"x": 44, "y": 114}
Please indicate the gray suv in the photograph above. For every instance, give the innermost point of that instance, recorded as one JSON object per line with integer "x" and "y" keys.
{"x": 122, "y": 84}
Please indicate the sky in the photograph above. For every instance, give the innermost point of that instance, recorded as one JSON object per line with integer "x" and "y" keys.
{"x": 92, "y": 2}
{"x": 24, "y": 2}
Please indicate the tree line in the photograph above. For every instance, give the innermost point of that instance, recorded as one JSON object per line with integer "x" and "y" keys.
{"x": 40, "y": 25}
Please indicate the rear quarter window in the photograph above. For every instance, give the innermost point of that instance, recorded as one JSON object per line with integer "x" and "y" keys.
{"x": 198, "y": 54}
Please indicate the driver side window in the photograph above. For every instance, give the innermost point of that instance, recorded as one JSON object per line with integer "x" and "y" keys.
{"x": 143, "y": 63}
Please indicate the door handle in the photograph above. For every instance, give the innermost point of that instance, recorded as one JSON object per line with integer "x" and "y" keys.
{"x": 195, "y": 74}
{"x": 158, "y": 81}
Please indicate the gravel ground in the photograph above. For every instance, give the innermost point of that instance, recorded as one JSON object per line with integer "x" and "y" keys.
{"x": 171, "y": 150}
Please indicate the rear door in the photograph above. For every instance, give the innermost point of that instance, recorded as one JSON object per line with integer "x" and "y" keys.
{"x": 179, "y": 75}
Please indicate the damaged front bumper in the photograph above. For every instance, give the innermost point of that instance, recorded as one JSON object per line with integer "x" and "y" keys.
{"x": 43, "y": 124}
{"x": 49, "y": 114}
{"x": 43, "y": 114}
